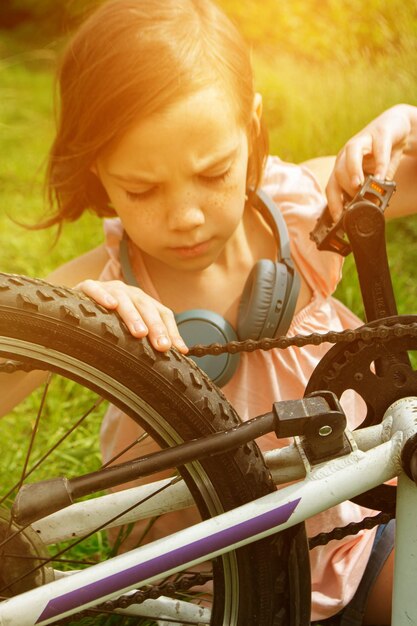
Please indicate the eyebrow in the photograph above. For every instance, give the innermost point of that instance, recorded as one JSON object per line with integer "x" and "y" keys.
{"x": 142, "y": 179}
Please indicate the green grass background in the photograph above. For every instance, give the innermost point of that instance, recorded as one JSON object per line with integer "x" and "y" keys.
{"x": 316, "y": 95}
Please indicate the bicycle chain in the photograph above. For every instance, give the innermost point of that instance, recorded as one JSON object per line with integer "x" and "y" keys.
{"x": 365, "y": 333}
{"x": 169, "y": 589}
{"x": 321, "y": 539}
{"x": 184, "y": 583}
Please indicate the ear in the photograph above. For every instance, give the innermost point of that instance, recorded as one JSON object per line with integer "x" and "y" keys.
{"x": 257, "y": 112}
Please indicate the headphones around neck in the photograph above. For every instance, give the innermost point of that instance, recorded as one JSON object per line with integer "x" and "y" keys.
{"x": 266, "y": 307}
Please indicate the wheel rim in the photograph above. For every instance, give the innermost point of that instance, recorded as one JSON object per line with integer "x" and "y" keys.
{"x": 96, "y": 380}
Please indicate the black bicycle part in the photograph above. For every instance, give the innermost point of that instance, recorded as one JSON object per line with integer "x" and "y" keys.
{"x": 320, "y": 422}
{"x": 409, "y": 458}
{"x": 364, "y": 224}
{"x": 318, "y": 418}
{"x": 57, "y": 330}
{"x": 36, "y": 500}
{"x": 330, "y": 235}
{"x": 352, "y": 367}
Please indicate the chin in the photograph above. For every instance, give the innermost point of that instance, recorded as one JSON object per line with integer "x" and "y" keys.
{"x": 193, "y": 265}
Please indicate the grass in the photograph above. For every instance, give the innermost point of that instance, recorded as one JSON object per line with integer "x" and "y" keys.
{"x": 26, "y": 127}
{"x": 311, "y": 110}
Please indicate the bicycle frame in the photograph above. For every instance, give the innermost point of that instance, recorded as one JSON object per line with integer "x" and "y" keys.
{"x": 375, "y": 458}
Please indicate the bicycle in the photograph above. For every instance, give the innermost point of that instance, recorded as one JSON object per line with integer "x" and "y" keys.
{"x": 252, "y": 534}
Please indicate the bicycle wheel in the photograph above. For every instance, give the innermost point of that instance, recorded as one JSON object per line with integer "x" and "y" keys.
{"x": 55, "y": 329}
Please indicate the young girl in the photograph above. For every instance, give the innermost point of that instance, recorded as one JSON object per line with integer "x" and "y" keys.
{"x": 160, "y": 130}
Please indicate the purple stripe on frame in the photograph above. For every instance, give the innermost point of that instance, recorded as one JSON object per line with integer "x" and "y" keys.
{"x": 164, "y": 562}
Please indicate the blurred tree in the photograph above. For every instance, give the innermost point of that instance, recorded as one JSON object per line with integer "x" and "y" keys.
{"x": 314, "y": 30}
{"x": 325, "y": 29}
{"x": 51, "y": 17}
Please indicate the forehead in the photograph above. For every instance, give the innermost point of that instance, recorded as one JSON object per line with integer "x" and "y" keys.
{"x": 202, "y": 124}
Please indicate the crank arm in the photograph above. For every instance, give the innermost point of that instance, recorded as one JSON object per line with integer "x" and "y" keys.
{"x": 364, "y": 224}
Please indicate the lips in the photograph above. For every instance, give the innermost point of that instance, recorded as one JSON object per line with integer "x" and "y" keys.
{"x": 192, "y": 251}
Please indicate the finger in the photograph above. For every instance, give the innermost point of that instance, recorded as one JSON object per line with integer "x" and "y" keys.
{"x": 168, "y": 318}
{"x": 394, "y": 163}
{"x": 355, "y": 152}
{"x": 158, "y": 333}
{"x": 95, "y": 290}
{"x": 334, "y": 195}
{"x": 381, "y": 150}
{"x": 130, "y": 314}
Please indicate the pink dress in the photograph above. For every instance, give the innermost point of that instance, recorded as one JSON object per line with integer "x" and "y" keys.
{"x": 265, "y": 377}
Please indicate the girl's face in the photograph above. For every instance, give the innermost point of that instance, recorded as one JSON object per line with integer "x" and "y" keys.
{"x": 177, "y": 180}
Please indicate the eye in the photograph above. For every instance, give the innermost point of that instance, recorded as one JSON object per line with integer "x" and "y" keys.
{"x": 136, "y": 196}
{"x": 216, "y": 178}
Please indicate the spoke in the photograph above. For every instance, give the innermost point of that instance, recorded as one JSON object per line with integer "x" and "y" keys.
{"x": 48, "y": 559}
{"x": 31, "y": 442}
{"x": 35, "y": 429}
{"x": 13, "y": 535}
{"x": 58, "y": 443}
{"x": 129, "y": 447}
{"x": 101, "y": 527}
{"x": 25, "y": 473}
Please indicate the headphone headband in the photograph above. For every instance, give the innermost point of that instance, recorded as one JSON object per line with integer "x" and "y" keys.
{"x": 127, "y": 270}
{"x": 266, "y": 306}
{"x": 267, "y": 208}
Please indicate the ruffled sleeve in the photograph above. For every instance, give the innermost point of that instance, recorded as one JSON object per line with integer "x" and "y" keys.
{"x": 300, "y": 200}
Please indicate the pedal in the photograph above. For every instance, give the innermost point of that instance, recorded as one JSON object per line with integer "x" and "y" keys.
{"x": 331, "y": 236}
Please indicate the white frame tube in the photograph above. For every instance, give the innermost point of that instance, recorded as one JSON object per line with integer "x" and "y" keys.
{"x": 83, "y": 517}
{"x": 326, "y": 486}
{"x": 285, "y": 464}
{"x": 404, "y": 609}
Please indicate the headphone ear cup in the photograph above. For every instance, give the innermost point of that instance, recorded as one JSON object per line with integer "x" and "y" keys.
{"x": 287, "y": 315}
{"x": 206, "y": 327}
{"x": 262, "y": 300}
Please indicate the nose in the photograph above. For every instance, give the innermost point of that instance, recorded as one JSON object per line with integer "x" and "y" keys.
{"x": 185, "y": 212}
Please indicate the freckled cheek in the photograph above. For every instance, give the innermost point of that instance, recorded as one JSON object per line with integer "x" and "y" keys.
{"x": 226, "y": 213}
{"x": 136, "y": 215}
{"x": 231, "y": 200}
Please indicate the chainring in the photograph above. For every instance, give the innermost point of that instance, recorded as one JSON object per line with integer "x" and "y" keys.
{"x": 352, "y": 366}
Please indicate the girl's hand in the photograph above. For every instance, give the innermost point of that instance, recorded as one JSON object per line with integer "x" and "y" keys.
{"x": 143, "y": 315}
{"x": 377, "y": 150}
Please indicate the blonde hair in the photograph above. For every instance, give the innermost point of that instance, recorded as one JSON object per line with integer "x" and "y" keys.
{"x": 132, "y": 58}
